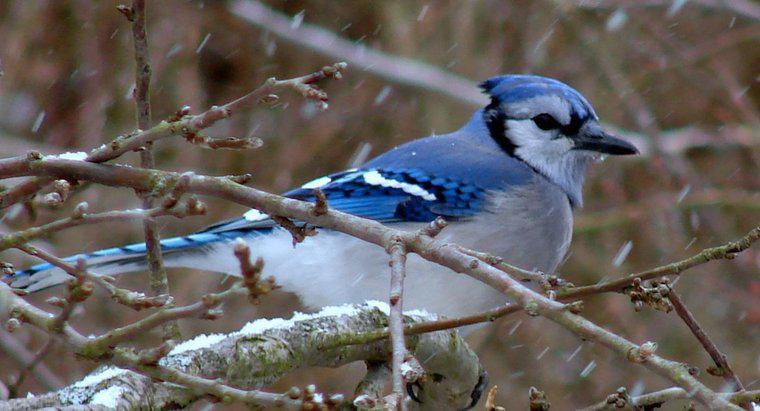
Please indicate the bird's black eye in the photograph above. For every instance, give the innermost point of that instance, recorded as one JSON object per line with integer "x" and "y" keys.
{"x": 546, "y": 122}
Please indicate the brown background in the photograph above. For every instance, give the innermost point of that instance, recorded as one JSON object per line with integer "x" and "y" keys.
{"x": 685, "y": 77}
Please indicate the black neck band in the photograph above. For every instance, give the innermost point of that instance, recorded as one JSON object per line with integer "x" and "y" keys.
{"x": 495, "y": 119}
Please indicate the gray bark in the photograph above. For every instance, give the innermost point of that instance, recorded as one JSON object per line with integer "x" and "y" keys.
{"x": 265, "y": 350}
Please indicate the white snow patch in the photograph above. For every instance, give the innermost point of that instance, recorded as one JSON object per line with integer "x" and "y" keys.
{"x": 29, "y": 395}
{"x": 197, "y": 343}
{"x": 374, "y": 178}
{"x": 385, "y": 308}
{"x": 261, "y": 325}
{"x": 255, "y": 215}
{"x": 79, "y": 155}
{"x": 316, "y": 183}
{"x": 95, "y": 379}
{"x": 108, "y": 397}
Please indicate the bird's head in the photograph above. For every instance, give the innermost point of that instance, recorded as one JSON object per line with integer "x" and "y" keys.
{"x": 548, "y": 125}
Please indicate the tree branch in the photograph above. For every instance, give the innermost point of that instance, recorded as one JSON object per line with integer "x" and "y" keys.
{"x": 181, "y": 124}
{"x": 721, "y": 362}
{"x": 259, "y": 354}
{"x": 655, "y": 399}
{"x": 727, "y": 251}
{"x": 398, "y": 272}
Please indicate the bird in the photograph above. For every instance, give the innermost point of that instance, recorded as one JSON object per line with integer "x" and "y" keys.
{"x": 507, "y": 182}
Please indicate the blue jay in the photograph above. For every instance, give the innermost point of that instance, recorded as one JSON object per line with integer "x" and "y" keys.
{"x": 507, "y": 182}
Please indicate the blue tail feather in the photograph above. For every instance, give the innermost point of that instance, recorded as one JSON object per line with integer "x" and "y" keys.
{"x": 34, "y": 278}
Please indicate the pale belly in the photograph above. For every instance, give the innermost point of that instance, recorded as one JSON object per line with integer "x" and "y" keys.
{"x": 333, "y": 268}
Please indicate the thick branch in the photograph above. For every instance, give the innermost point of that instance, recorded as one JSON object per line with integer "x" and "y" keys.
{"x": 263, "y": 351}
{"x": 396, "y": 326}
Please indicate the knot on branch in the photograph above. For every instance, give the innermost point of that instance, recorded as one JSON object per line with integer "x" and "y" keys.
{"x": 299, "y": 233}
{"x": 653, "y": 293}
{"x": 320, "y": 203}
{"x": 642, "y": 353}
{"x": 6, "y": 268}
{"x": 312, "y": 400}
{"x": 552, "y": 282}
{"x": 538, "y": 400}
{"x": 33, "y": 155}
{"x": 531, "y": 308}
{"x": 80, "y": 211}
{"x": 241, "y": 179}
{"x": 139, "y": 301}
{"x": 618, "y": 399}
{"x": 179, "y": 114}
{"x": 152, "y": 356}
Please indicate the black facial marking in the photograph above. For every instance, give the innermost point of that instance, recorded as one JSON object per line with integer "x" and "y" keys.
{"x": 545, "y": 121}
{"x": 495, "y": 119}
{"x": 575, "y": 125}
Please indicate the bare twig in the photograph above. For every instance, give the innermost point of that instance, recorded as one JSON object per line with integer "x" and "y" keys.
{"x": 620, "y": 399}
{"x": 726, "y": 251}
{"x": 491, "y": 400}
{"x": 81, "y": 217}
{"x": 182, "y": 124}
{"x": 29, "y": 367}
{"x": 251, "y": 273}
{"x": 721, "y": 361}
{"x": 16, "y": 351}
{"x": 397, "y": 252}
{"x": 159, "y": 284}
{"x": 229, "y": 143}
{"x": 299, "y": 233}
{"x": 205, "y": 308}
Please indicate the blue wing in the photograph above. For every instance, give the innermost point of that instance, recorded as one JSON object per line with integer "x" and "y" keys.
{"x": 382, "y": 194}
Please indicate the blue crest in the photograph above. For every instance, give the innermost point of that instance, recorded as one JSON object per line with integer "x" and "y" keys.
{"x": 512, "y": 88}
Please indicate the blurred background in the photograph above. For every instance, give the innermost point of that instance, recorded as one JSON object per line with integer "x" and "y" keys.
{"x": 679, "y": 78}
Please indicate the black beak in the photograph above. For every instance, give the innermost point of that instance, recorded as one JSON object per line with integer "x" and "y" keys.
{"x": 591, "y": 137}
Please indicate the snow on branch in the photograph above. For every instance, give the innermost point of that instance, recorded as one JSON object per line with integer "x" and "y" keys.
{"x": 264, "y": 350}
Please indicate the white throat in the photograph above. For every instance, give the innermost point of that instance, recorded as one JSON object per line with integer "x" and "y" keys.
{"x": 552, "y": 157}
